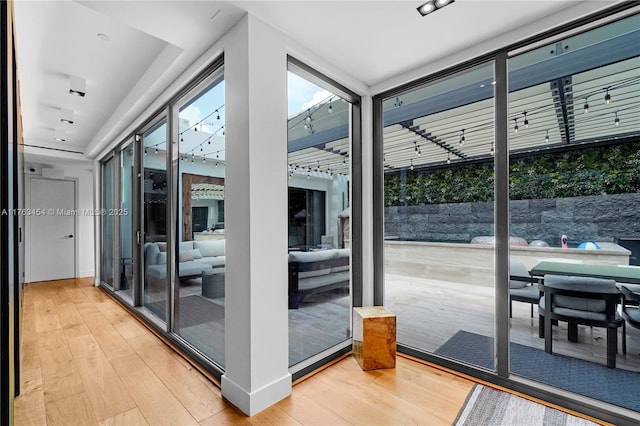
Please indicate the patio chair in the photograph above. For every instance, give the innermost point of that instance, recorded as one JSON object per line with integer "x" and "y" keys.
{"x": 630, "y": 310}
{"x": 584, "y": 301}
{"x": 522, "y": 286}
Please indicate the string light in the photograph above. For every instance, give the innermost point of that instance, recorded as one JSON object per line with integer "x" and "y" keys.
{"x": 156, "y": 151}
{"x": 145, "y": 151}
{"x": 546, "y": 138}
{"x": 462, "y": 138}
{"x": 586, "y": 105}
{"x": 617, "y": 120}
{"x": 411, "y": 167}
{"x": 607, "y": 96}
{"x": 330, "y": 109}
{"x": 492, "y": 148}
{"x": 515, "y": 127}
{"x": 448, "y": 158}
{"x": 526, "y": 122}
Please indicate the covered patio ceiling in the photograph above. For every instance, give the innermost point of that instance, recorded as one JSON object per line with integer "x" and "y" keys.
{"x": 548, "y": 86}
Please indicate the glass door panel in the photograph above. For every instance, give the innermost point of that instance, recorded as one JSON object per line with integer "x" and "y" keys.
{"x": 154, "y": 220}
{"x": 439, "y": 216}
{"x": 200, "y": 247}
{"x": 108, "y": 223}
{"x": 125, "y": 217}
{"x": 573, "y": 190}
{"x": 319, "y": 159}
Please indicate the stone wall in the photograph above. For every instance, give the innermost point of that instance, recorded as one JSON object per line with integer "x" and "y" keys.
{"x": 593, "y": 218}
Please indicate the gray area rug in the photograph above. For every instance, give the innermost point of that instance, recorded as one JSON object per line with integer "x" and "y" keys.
{"x": 613, "y": 385}
{"x": 487, "y": 406}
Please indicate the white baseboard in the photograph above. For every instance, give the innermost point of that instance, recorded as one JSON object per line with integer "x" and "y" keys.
{"x": 252, "y": 403}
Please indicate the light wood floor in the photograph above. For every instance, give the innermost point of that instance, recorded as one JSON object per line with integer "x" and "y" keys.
{"x": 86, "y": 361}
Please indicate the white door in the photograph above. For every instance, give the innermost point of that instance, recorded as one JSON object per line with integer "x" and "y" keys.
{"x": 52, "y": 233}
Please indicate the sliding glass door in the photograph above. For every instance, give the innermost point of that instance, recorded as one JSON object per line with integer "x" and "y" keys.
{"x": 125, "y": 217}
{"x": 155, "y": 270}
{"x": 320, "y": 187}
{"x": 439, "y": 240}
{"x": 108, "y": 226}
{"x": 199, "y": 167}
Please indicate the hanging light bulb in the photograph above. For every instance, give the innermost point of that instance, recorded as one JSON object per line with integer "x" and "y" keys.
{"x": 492, "y": 148}
{"x": 462, "y": 138}
{"x": 330, "y": 109}
{"x": 181, "y": 138}
{"x": 607, "y": 97}
{"x": 586, "y": 105}
{"x": 546, "y": 138}
{"x": 218, "y": 115}
{"x": 204, "y": 159}
{"x": 526, "y": 122}
{"x": 217, "y": 154}
{"x": 448, "y": 158}
{"x": 411, "y": 167}
{"x": 195, "y": 128}
{"x": 419, "y": 151}
{"x": 156, "y": 151}
{"x": 145, "y": 151}
{"x": 617, "y": 120}
{"x": 515, "y": 127}
{"x": 209, "y": 141}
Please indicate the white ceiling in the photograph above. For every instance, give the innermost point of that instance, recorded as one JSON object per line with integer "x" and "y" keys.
{"x": 152, "y": 42}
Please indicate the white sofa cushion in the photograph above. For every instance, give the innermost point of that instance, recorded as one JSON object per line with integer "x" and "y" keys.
{"x": 210, "y": 248}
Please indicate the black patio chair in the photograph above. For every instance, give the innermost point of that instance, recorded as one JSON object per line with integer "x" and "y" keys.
{"x": 630, "y": 310}
{"x": 579, "y": 300}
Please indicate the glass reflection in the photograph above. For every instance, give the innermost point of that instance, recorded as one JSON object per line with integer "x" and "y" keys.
{"x": 200, "y": 251}
{"x": 439, "y": 216}
{"x": 319, "y": 170}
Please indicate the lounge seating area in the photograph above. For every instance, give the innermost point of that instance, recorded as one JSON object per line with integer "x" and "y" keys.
{"x": 195, "y": 257}
{"x": 317, "y": 271}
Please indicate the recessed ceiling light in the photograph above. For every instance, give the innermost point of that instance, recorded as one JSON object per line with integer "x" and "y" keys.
{"x": 60, "y": 135}
{"x": 103, "y": 36}
{"x": 77, "y": 86}
{"x": 66, "y": 116}
{"x": 432, "y": 6}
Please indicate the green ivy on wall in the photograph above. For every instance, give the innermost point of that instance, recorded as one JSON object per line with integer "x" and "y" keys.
{"x": 609, "y": 169}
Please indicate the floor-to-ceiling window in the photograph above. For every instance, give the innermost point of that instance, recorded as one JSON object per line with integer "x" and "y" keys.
{"x": 574, "y": 189}
{"x": 199, "y": 167}
{"x": 439, "y": 215}
{"x": 563, "y": 181}
{"x": 107, "y": 222}
{"x": 125, "y": 216}
{"x": 154, "y": 224}
{"x": 320, "y": 146}
{"x": 162, "y": 219}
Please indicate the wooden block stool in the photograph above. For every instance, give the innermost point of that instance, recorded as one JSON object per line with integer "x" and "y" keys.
{"x": 374, "y": 337}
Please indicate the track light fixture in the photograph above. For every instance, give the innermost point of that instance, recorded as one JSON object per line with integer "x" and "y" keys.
{"x": 607, "y": 96}
{"x": 617, "y": 120}
{"x": 432, "y": 6}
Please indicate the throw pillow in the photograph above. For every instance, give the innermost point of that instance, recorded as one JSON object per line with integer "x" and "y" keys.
{"x": 185, "y": 256}
{"x": 196, "y": 254}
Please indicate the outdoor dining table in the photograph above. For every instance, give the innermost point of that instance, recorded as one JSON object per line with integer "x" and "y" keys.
{"x": 619, "y": 273}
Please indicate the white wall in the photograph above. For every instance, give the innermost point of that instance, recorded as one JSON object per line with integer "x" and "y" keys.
{"x": 85, "y": 248}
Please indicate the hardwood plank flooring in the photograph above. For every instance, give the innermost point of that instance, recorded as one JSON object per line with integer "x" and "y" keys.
{"x": 86, "y": 361}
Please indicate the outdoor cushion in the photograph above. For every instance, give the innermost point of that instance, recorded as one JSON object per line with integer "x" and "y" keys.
{"x": 210, "y": 248}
